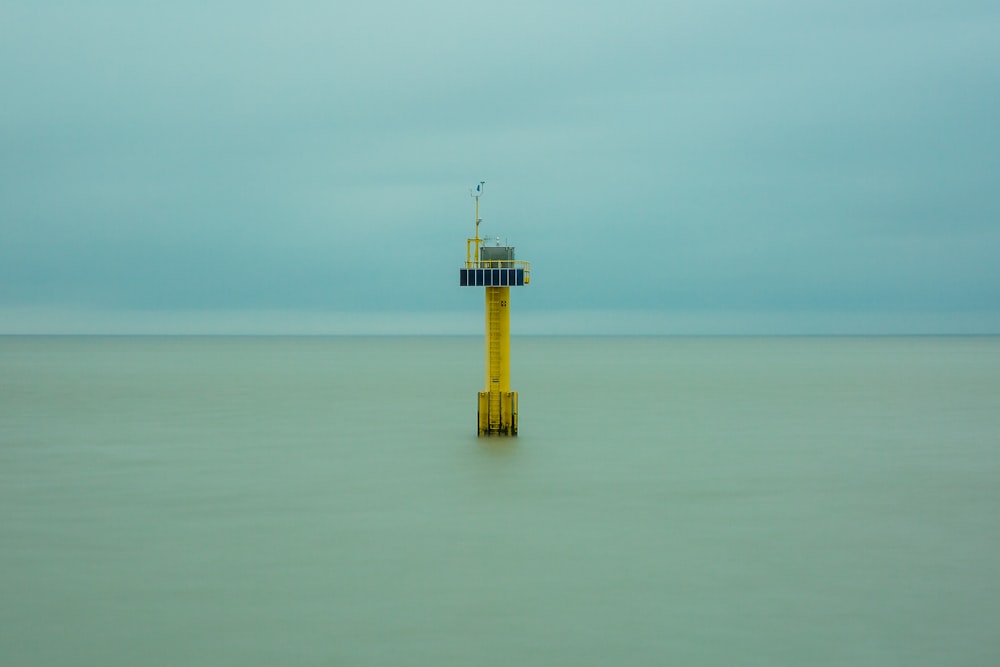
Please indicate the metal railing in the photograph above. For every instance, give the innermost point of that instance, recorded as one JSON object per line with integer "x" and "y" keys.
{"x": 501, "y": 264}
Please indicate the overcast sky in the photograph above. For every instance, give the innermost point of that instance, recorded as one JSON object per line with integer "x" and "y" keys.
{"x": 667, "y": 167}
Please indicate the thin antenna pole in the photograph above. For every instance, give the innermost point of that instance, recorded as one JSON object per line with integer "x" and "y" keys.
{"x": 478, "y": 191}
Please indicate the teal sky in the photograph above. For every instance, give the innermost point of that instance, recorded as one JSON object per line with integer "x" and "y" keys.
{"x": 712, "y": 167}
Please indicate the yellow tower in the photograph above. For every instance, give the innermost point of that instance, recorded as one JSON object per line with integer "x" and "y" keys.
{"x": 495, "y": 268}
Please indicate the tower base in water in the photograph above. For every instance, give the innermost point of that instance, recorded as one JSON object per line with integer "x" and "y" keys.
{"x": 498, "y": 413}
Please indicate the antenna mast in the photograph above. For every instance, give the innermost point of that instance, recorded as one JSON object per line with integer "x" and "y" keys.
{"x": 476, "y": 193}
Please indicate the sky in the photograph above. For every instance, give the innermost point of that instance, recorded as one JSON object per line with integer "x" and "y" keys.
{"x": 719, "y": 167}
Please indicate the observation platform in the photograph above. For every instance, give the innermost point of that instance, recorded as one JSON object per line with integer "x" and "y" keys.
{"x": 496, "y": 267}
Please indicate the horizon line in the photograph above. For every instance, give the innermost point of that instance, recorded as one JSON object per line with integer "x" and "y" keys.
{"x": 75, "y": 321}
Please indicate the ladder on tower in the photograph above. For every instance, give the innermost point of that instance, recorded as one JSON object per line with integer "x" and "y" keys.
{"x": 495, "y": 360}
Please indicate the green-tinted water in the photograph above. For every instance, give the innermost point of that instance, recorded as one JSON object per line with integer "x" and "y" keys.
{"x": 244, "y": 501}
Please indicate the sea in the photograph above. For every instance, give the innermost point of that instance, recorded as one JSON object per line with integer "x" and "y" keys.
{"x": 668, "y": 501}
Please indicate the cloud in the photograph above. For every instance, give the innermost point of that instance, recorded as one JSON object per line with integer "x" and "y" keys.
{"x": 653, "y": 157}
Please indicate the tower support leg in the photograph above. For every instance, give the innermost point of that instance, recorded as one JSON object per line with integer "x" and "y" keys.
{"x": 498, "y": 413}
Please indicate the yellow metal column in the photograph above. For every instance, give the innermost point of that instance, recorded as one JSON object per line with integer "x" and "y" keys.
{"x": 497, "y": 339}
{"x": 497, "y": 404}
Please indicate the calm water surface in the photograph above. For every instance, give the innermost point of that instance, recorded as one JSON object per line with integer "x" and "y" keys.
{"x": 719, "y": 501}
